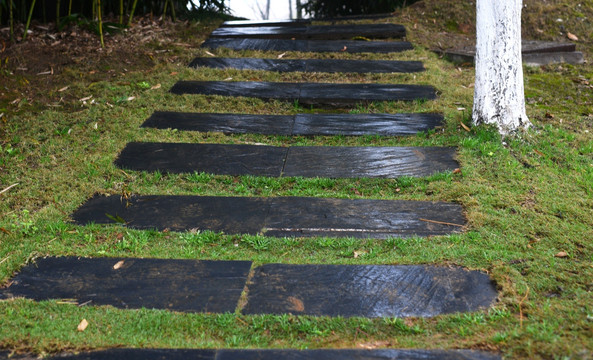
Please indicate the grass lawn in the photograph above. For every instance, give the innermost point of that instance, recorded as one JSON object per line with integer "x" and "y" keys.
{"x": 528, "y": 200}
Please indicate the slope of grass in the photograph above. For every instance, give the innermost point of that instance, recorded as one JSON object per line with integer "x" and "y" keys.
{"x": 527, "y": 199}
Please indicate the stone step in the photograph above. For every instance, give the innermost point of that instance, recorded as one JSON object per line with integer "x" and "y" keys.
{"x": 310, "y": 65}
{"x": 276, "y": 216}
{"x": 328, "y": 94}
{"x": 215, "y": 287}
{"x": 301, "y": 22}
{"x": 297, "y": 125}
{"x": 349, "y": 46}
{"x": 276, "y": 354}
{"x": 273, "y": 161}
{"x": 313, "y": 32}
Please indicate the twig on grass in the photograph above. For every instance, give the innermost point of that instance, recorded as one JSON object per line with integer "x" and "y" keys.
{"x": 8, "y": 188}
{"x": 521, "y": 307}
{"x": 441, "y": 222}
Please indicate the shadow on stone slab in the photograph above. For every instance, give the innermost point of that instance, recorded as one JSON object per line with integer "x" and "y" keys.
{"x": 367, "y": 290}
{"x": 351, "y": 354}
{"x": 308, "y": 93}
{"x": 304, "y": 161}
{"x": 300, "y": 124}
{"x": 312, "y": 32}
{"x": 311, "y": 65}
{"x": 142, "y": 354}
{"x": 218, "y": 159}
{"x": 276, "y": 216}
{"x": 277, "y": 354}
{"x": 179, "y": 285}
{"x": 348, "y": 46}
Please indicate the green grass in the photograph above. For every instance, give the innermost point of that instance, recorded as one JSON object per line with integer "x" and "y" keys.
{"x": 526, "y": 200}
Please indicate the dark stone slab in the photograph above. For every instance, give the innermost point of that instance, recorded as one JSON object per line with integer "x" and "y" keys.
{"x": 265, "y": 23}
{"x": 225, "y": 123}
{"x": 361, "y": 218}
{"x": 180, "y": 285}
{"x": 535, "y": 53}
{"x": 349, "y": 46}
{"x": 312, "y": 32}
{"x": 367, "y": 290}
{"x": 305, "y": 161}
{"x": 231, "y": 215}
{"x": 301, "y": 124}
{"x": 356, "y": 162}
{"x": 277, "y": 216}
{"x": 212, "y": 158}
{"x": 365, "y": 124}
{"x": 351, "y": 354}
{"x": 311, "y": 65}
{"x": 308, "y": 93}
{"x": 143, "y": 354}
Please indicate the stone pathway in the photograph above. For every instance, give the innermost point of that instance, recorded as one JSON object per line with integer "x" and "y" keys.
{"x": 313, "y": 289}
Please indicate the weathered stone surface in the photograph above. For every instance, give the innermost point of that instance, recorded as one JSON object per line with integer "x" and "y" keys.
{"x": 367, "y": 290}
{"x": 180, "y": 285}
{"x": 328, "y": 94}
{"x": 300, "y": 124}
{"x": 350, "y": 46}
{"x": 312, "y": 32}
{"x": 310, "y": 65}
{"x": 277, "y": 216}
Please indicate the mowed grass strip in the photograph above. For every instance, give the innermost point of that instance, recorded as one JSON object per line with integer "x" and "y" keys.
{"x": 528, "y": 203}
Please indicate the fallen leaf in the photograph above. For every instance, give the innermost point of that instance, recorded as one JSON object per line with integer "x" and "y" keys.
{"x": 63, "y": 89}
{"x": 228, "y": 79}
{"x": 4, "y": 230}
{"x": 86, "y": 98}
{"x": 457, "y": 171}
{"x": 154, "y": 87}
{"x": 174, "y": 73}
{"x": 561, "y": 254}
{"x": 83, "y": 325}
{"x": 131, "y": 98}
{"x": 572, "y": 36}
{"x": 118, "y": 265}
{"x": 464, "y": 126}
{"x": 374, "y": 345}
{"x": 549, "y": 115}
{"x": 345, "y": 48}
{"x": 281, "y": 55}
{"x": 358, "y": 254}
{"x": 209, "y": 53}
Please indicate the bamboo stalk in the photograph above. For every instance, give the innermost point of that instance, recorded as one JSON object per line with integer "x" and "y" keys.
{"x": 100, "y": 23}
{"x": 121, "y": 11}
{"x": 29, "y": 20}
{"x": 11, "y": 20}
{"x": 172, "y": 10}
{"x": 132, "y": 12}
{"x": 70, "y": 8}
{"x": 57, "y": 13}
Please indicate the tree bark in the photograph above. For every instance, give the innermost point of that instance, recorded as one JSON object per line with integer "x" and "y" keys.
{"x": 499, "y": 92}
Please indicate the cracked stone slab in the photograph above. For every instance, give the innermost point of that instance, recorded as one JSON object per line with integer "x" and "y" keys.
{"x": 313, "y": 32}
{"x": 276, "y": 216}
{"x": 275, "y": 354}
{"x": 300, "y": 124}
{"x": 311, "y": 65}
{"x": 179, "y": 285}
{"x": 349, "y": 46}
{"x": 304, "y": 161}
{"x": 328, "y": 94}
{"x": 368, "y": 290}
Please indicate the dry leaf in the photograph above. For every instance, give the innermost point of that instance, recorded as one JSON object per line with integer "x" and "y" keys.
{"x": 83, "y": 325}
{"x": 118, "y": 265}
{"x": 209, "y": 53}
{"x": 131, "y": 98}
{"x": 373, "y": 345}
{"x": 357, "y": 254}
{"x": 457, "y": 171}
{"x": 281, "y": 55}
{"x": 464, "y": 126}
{"x": 228, "y": 79}
{"x": 154, "y": 87}
{"x": 174, "y": 73}
{"x": 561, "y": 254}
{"x": 86, "y": 98}
{"x": 572, "y": 36}
{"x": 64, "y": 88}
{"x": 345, "y": 48}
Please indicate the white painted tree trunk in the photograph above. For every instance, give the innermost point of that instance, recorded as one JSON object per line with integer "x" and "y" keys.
{"x": 499, "y": 93}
